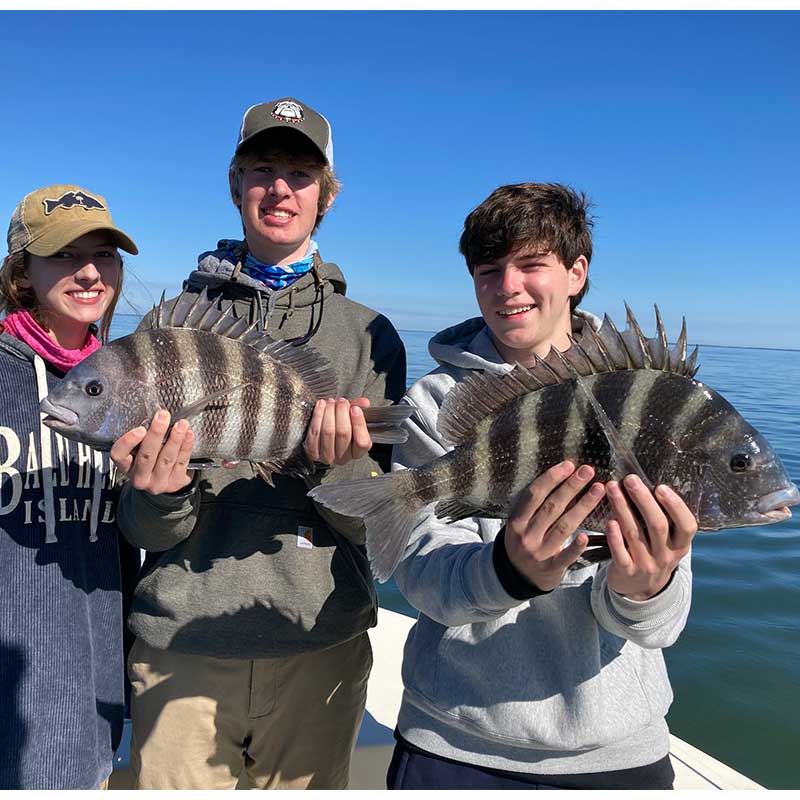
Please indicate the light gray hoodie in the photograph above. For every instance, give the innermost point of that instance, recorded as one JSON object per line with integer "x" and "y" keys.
{"x": 568, "y": 682}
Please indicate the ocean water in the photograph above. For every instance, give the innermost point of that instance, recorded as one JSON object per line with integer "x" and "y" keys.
{"x": 735, "y": 670}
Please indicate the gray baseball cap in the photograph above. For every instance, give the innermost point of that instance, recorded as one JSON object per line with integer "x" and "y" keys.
{"x": 287, "y": 112}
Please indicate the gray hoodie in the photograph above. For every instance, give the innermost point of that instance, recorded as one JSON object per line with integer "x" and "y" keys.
{"x": 568, "y": 682}
{"x": 236, "y": 568}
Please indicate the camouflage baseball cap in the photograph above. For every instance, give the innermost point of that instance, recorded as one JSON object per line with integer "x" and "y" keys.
{"x": 288, "y": 112}
{"x": 50, "y": 218}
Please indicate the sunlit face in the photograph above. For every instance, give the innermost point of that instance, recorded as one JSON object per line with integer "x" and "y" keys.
{"x": 75, "y": 286}
{"x": 524, "y": 299}
{"x": 280, "y": 203}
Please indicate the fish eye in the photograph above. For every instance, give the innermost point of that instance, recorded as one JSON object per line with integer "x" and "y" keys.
{"x": 94, "y": 388}
{"x": 741, "y": 462}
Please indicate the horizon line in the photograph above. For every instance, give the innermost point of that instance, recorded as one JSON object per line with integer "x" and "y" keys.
{"x": 688, "y": 344}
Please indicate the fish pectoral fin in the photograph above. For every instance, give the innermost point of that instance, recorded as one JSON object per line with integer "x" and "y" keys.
{"x": 621, "y": 450}
{"x": 264, "y": 471}
{"x": 595, "y": 539}
{"x": 199, "y": 406}
{"x": 592, "y": 555}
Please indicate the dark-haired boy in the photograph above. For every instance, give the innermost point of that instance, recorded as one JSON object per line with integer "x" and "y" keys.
{"x": 519, "y": 672}
{"x": 252, "y": 656}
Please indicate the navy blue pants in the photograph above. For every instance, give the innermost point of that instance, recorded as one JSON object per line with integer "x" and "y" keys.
{"x": 412, "y": 768}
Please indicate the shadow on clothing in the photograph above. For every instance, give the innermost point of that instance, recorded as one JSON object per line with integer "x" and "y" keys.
{"x": 13, "y": 731}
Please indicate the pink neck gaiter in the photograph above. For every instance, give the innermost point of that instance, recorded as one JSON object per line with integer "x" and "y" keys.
{"x": 24, "y": 327}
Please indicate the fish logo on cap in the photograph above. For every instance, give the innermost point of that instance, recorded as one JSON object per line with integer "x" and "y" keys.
{"x": 288, "y": 111}
{"x": 70, "y": 199}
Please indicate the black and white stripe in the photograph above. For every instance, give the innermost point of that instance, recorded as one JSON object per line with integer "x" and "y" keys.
{"x": 209, "y": 352}
{"x": 503, "y": 439}
{"x": 255, "y": 371}
{"x": 283, "y": 399}
{"x": 611, "y": 391}
{"x": 168, "y": 351}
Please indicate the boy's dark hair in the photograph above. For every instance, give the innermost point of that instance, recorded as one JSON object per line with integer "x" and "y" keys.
{"x": 546, "y": 216}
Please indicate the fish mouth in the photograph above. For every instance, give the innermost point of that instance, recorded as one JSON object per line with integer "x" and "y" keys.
{"x": 57, "y": 417}
{"x": 775, "y": 504}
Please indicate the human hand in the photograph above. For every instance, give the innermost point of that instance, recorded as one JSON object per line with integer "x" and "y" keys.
{"x": 643, "y": 562}
{"x": 337, "y": 432}
{"x": 540, "y": 524}
{"x": 158, "y": 466}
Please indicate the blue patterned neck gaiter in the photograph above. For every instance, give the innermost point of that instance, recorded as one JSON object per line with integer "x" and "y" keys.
{"x": 279, "y": 277}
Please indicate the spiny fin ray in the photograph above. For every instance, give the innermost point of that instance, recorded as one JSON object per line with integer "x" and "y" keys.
{"x": 482, "y": 394}
{"x": 199, "y": 312}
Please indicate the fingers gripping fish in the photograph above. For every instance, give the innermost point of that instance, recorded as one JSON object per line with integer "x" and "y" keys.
{"x": 619, "y": 402}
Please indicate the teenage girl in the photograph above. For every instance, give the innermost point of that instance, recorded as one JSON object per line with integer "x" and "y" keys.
{"x": 61, "y": 560}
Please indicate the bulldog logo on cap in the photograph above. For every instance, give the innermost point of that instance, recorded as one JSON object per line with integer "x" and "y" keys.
{"x": 288, "y": 111}
{"x": 70, "y": 199}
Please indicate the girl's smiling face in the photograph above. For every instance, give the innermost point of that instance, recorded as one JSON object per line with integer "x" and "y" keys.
{"x": 75, "y": 286}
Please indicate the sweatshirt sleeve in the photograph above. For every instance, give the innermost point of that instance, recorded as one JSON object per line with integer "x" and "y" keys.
{"x": 653, "y": 623}
{"x": 386, "y": 385}
{"x": 448, "y": 571}
{"x": 157, "y": 522}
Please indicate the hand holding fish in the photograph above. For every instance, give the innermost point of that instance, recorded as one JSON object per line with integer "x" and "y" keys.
{"x": 643, "y": 562}
{"x": 540, "y": 524}
{"x": 337, "y": 432}
{"x": 158, "y": 466}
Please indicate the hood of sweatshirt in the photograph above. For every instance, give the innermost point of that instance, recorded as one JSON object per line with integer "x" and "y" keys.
{"x": 214, "y": 268}
{"x": 469, "y": 344}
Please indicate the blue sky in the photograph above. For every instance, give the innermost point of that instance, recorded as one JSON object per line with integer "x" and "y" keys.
{"x": 681, "y": 126}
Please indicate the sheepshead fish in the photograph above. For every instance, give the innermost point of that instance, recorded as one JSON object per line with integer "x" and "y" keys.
{"x": 249, "y": 397}
{"x": 617, "y": 401}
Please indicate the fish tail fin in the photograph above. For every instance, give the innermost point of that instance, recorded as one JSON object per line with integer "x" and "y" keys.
{"x": 384, "y": 423}
{"x": 385, "y": 505}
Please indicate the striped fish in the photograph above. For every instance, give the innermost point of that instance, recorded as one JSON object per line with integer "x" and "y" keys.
{"x": 617, "y": 401}
{"x": 248, "y": 396}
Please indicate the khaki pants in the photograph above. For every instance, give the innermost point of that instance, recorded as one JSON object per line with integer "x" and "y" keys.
{"x": 271, "y": 723}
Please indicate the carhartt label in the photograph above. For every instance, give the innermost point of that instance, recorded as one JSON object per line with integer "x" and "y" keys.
{"x": 305, "y": 537}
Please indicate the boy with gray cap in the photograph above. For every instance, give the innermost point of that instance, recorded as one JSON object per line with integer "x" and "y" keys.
{"x": 251, "y": 659}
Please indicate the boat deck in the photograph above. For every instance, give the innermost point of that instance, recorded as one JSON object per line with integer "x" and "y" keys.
{"x": 694, "y": 769}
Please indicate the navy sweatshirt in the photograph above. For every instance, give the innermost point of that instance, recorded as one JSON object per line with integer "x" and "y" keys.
{"x": 61, "y": 615}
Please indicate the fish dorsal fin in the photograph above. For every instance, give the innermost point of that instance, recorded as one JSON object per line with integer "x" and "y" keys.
{"x": 596, "y": 352}
{"x": 309, "y": 363}
{"x": 199, "y": 312}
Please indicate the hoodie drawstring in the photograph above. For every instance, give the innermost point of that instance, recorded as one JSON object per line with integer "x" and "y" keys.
{"x": 48, "y": 473}
{"x": 289, "y": 313}
{"x": 97, "y": 464}
{"x": 263, "y": 318}
{"x": 319, "y": 294}
{"x": 47, "y": 455}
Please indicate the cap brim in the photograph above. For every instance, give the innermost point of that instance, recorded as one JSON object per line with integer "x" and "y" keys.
{"x": 283, "y": 126}
{"x": 51, "y": 242}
